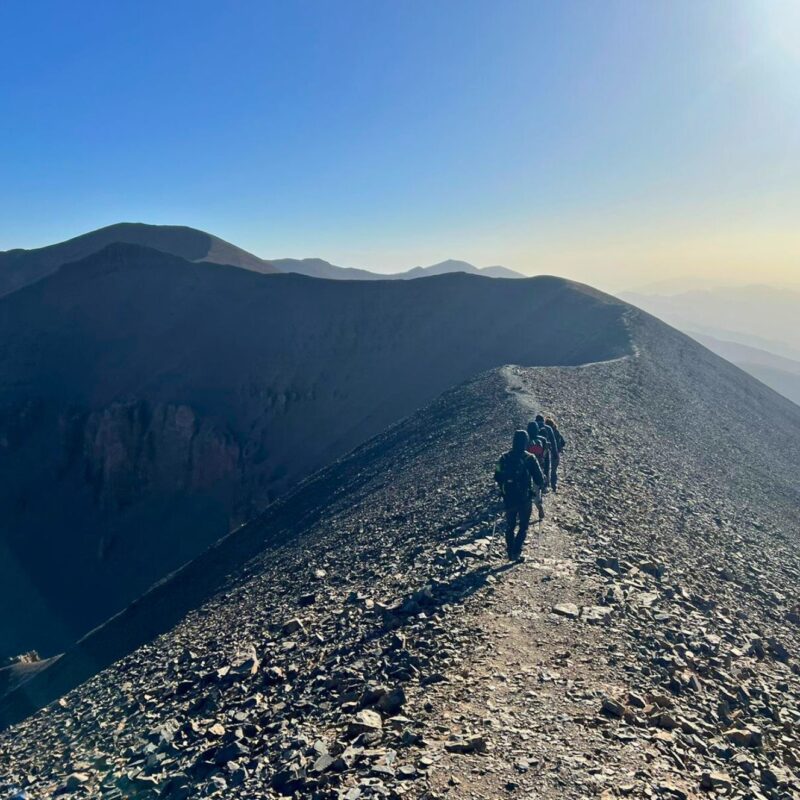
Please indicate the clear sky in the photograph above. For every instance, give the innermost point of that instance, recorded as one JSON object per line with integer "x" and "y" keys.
{"x": 618, "y": 143}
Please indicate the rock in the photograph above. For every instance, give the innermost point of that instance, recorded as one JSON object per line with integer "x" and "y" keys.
{"x": 596, "y": 615}
{"x": 715, "y": 780}
{"x": 407, "y": 772}
{"x": 665, "y": 720}
{"x": 392, "y": 702}
{"x": 245, "y": 665}
{"x": 231, "y": 752}
{"x": 778, "y": 650}
{"x": 365, "y": 722}
{"x": 323, "y": 764}
{"x": 306, "y": 600}
{"x": 471, "y": 744}
{"x": 75, "y": 780}
{"x": 774, "y": 777}
{"x": 613, "y": 707}
{"x": 569, "y": 610}
{"x": 743, "y": 737}
{"x": 292, "y": 626}
{"x": 652, "y": 568}
{"x": 636, "y": 700}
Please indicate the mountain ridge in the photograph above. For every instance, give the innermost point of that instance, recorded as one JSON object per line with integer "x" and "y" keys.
{"x": 160, "y": 402}
{"x": 20, "y": 267}
{"x": 319, "y": 268}
{"x": 388, "y": 636}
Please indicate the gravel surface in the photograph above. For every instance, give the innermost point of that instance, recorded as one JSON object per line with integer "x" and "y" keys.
{"x": 646, "y": 647}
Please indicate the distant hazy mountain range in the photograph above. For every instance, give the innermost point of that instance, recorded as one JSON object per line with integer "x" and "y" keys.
{"x": 755, "y": 327}
{"x": 20, "y": 267}
{"x": 765, "y": 317}
{"x": 781, "y": 374}
{"x": 317, "y": 268}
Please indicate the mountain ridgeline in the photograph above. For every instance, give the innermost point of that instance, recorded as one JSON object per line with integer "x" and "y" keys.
{"x": 149, "y": 403}
{"x": 21, "y": 267}
{"x": 366, "y": 637}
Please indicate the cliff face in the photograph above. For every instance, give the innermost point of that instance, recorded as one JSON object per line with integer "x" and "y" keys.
{"x": 131, "y": 449}
{"x": 148, "y": 405}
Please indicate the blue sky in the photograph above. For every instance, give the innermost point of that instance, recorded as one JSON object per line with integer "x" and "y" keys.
{"x": 614, "y": 142}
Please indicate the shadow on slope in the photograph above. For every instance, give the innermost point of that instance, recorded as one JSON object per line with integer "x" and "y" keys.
{"x": 148, "y": 404}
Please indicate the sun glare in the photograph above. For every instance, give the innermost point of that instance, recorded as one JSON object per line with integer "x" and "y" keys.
{"x": 780, "y": 22}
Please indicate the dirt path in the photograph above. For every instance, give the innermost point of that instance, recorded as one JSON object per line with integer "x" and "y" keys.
{"x": 532, "y": 689}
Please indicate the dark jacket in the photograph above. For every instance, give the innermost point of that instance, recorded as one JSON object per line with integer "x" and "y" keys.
{"x": 552, "y": 440}
{"x": 516, "y": 473}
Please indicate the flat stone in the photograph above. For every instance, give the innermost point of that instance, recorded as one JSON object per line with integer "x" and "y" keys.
{"x": 569, "y": 610}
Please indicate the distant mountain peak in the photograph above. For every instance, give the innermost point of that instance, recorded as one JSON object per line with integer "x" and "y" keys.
{"x": 20, "y": 267}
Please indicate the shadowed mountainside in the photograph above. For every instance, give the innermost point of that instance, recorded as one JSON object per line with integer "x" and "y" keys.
{"x": 19, "y": 267}
{"x": 377, "y": 644}
{"x": 149, "y": 404}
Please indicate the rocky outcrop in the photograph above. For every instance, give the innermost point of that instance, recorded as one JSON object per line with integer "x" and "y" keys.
{"x": 131, "y": 450}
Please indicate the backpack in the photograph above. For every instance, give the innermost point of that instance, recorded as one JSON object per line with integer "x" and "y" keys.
{"x": 515, "y": 479}
{"x": 537, "y": 448}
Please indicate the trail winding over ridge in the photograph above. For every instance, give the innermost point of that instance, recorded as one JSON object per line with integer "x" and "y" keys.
{"x": 389, "y": 651}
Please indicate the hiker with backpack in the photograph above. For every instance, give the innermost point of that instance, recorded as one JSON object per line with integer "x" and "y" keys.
{"x": 517, "y": 472}
{"x": 552, "y": 444}
{"x": 537, "y": 446}
{"x": 560, "y": 441}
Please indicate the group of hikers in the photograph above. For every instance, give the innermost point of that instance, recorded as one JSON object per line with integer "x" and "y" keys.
{"x": 525, "y": 474}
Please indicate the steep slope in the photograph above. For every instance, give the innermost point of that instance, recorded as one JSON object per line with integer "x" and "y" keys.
{"x": 19, "y": 268}
{"x": 779, "y": 373}
{"x": 317, "y": 268}
{"x": 149, "y": 404}
{"x": 377, "y": 645}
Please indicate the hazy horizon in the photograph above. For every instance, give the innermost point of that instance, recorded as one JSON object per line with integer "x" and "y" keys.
{"x": 618, "y": 145}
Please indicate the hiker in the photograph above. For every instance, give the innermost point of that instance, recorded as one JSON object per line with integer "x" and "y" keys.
{"x": 516, "y": 473}
{"x": 538, "y": 447}
{"x": 551, "y": 475}
{"x": 560, "y": 441}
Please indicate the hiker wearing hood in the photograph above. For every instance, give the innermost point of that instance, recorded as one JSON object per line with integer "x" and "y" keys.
{"x": 516, "y": 473}
{"x": 547, "y": 431}
{"x": 538, "y": 446}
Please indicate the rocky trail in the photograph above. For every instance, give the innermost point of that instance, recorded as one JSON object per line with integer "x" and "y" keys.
{"x": 647, "y": 646}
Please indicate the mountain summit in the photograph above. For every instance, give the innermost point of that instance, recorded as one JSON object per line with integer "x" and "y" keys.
{"x": 19, "y": 268}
